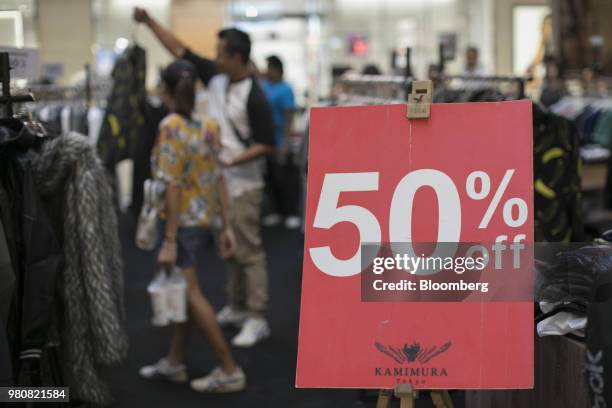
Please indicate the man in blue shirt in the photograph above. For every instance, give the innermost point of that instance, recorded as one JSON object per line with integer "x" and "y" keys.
{"x": 281, "y": 100}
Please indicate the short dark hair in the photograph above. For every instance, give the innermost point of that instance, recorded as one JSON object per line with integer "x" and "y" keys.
{"x": 237, "y": 42}
{"x": 275, "y": 62}
{"x": 371, "y": 69}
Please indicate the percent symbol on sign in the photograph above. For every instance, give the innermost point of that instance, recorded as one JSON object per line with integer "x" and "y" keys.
{"x": 485, "y": 189}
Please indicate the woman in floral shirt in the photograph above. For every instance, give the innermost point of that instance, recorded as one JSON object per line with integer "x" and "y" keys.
{"x": 194, "y": 198}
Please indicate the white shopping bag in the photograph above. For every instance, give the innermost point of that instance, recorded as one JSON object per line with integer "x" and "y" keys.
{"x": 159, "y": 299}
{"x": 176, "y": 290}
{"x": 168, "y": 291}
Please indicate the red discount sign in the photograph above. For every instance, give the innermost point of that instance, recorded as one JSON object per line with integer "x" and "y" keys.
{"x": 377, "y": 180}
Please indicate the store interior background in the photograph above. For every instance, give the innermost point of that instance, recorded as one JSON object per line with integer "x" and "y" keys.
{"x": 312, "y": 37}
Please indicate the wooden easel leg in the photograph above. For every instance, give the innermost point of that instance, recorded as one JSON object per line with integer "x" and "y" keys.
{"x": 407, "y": 402}
{"x": 406, "y": 395}
{"x": 441, "y": 399}
{"x": 384, "y": 398}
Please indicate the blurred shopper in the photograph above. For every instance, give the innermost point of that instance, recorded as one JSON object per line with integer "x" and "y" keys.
{"x": 371, "y": 69}
{"x": 184, "y": 162}
{"x": 553, "y": 88}
{"x": 545, "y": 49}
{"x": 283, "y": 203}
{"x": 237, "y": 102}
{"x": 473, "y": 67}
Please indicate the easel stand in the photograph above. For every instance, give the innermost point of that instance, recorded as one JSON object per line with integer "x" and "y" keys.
{"x": 407, "y": 397}
{"x": 419, "y": 107}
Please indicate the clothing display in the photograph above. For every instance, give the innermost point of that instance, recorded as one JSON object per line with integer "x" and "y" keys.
{"x": 557, "y": 177}
{"x": 592, "y": 116}
{"x": 186, "y": 154}
{"x": 64, "y": 117}
{"x": 124, "y": 109}
{"x": 599, "y": 337}
{"x": 557, "y": 168}
{"x": 7, "y": 283}
{"x": 477, "y": 94}
{"x": 58, "y": 223}
{"x": 33, "y": 247}
{"x": 154, "y": 112}
{"x": 93, "y": 274}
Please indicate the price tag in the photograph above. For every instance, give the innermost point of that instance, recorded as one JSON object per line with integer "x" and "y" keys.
{"x": 380, "y": 184}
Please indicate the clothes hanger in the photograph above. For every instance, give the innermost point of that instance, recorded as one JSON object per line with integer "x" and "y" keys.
{"x": 35, "y": 127}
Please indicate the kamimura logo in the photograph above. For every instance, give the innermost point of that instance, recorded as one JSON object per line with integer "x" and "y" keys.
{"x": 409, "y": 354}
{"x": 413, "y": 352}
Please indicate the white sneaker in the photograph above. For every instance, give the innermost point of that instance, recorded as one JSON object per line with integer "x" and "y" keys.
{"x": 220, "y": 382}
{"x": 271, "y": 220}
{"x": 163, "y": 371}
{"x": 230, "y": 316}
{"x": 293, "y": 222}
{"x": 253, "y": 330}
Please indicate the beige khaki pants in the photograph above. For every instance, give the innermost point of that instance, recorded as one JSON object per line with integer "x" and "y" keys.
{"x": 247, "y": 274}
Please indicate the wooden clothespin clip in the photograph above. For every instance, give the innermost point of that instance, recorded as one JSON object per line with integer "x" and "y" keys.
{"x": 419, "y": 100}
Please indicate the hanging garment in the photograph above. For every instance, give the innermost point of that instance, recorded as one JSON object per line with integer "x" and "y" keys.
{"x": 142, "y": 155}
{"x": 32, "y": 243}
{"x": 95, "y": 117}
{"x": 556, "y": 169}
{"x": 92, "y": 280}
{"x": 7, "y": 283}
{"x": 124, "y": 108}
{"x": 598, "y": 356}
{"x": 602, "y": 132}
{"x": 78, "y": 119}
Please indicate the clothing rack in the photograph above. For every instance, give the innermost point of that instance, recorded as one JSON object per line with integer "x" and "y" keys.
{"x": 92, "y": 91}
{"x": 375, "y": 89}
{"x": 519, "y": 80}
{"x": 595, "y": 86}
{"x": 5, "y": 79}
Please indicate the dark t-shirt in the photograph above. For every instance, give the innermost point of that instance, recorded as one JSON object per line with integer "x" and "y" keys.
{"x": 260, "y": 121}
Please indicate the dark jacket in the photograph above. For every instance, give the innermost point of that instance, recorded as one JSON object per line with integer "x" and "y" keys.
{"x": 7, "y": 282}
{"x": 34, "y": 249}
{"x": 124, "y": 109}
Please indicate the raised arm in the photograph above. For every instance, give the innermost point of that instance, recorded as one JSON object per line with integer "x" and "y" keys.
{"x": 168, "y": 40}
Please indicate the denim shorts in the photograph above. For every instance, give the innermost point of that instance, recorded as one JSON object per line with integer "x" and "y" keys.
{"x": 189, "y": 240}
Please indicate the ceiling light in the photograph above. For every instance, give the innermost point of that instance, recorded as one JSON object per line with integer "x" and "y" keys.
{"x": 251, "y": 12}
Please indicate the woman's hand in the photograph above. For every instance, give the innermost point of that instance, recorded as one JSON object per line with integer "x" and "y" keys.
{"x": 227, "y": 244}
{"x": 167, "y": 255}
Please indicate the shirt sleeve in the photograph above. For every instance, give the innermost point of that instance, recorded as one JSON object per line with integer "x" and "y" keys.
{"x": 170, "y": 162}
{"x": 206, "y": 68}
{"x": 288, "y": 100}
{"x": 260, "y": 116}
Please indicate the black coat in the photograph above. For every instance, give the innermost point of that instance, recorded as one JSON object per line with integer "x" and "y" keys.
{"x": 7, "y": 282}
{"x": 31, "y": 242}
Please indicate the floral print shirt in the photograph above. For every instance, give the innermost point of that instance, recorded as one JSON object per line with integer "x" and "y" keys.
{"x": 186, "y": 153}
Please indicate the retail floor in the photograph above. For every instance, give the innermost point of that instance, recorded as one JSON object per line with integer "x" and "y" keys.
{"x": 270, "y": 366}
